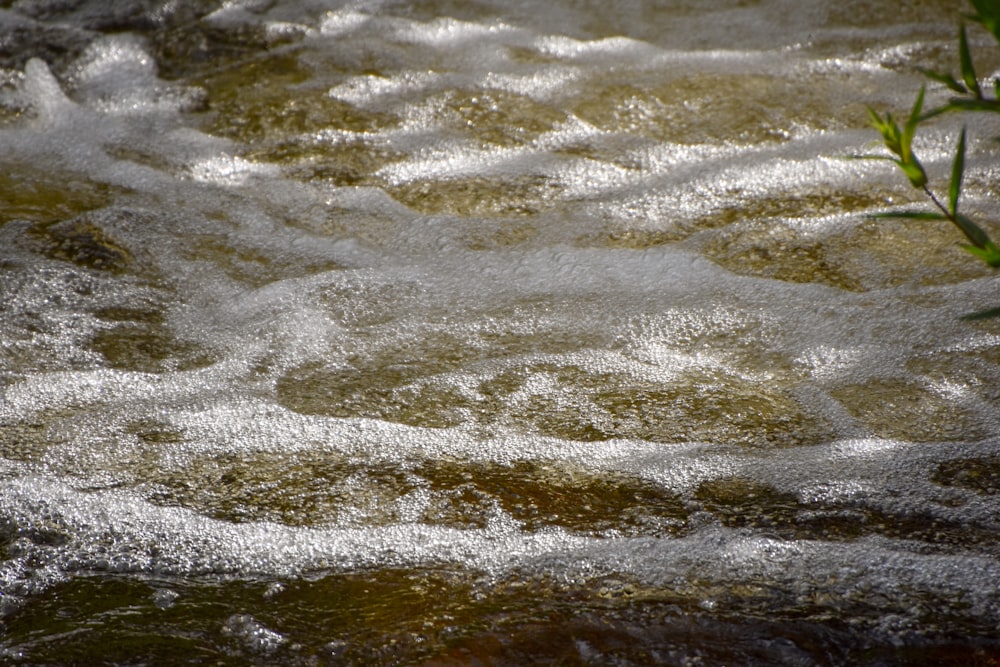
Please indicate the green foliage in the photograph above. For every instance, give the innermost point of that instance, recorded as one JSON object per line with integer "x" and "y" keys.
{"x": 900, "y": 141}
{"x": 969, "y": 98}
{"x": 973, "y": 98}
{"x": 988, "y": 14}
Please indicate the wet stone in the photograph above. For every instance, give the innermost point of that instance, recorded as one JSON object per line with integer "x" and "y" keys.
{"x": 439, "y": 618}
{"x": 84, "y": 244}
{"x": 871, "y": 255}
{"x": 360, "y": 212}
{"x": 140, "y": 340}
{"x": 981, "y": 475}
{"x": 706, "y": 108}
{"x": 477, "y": 196}
{"x": 910, "y": 411}
{"x": 394, "y": 392}
{"x": 504, "y": 234}
{"x": 588, "y": 407}
{"x": 739, "y": 502}
{"x": 496, "y": 117}
{"x": 254, "y": 266}
{"x": 713, "y": 409}
{"x": 308, "y": 489}
{"x": 347, "y": 162}
{"x": 264, "y": 100}
{"x": 315, "y": 490}
{"x": 539, "y": 495}
{"x": 153, "y": 432}
{"x": 23, "y": 441}
{"x": 27, "y": 193}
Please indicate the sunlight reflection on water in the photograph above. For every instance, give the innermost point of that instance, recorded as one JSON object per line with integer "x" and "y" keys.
{"x": 371, "y": 333}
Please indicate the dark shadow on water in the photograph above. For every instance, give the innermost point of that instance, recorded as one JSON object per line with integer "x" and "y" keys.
{"x": 444, "y": 618}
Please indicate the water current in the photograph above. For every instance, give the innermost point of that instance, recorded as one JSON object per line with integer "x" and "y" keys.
{"x": 492, "y": 332}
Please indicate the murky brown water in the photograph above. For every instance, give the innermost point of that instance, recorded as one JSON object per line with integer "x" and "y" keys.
{"x": 488, "y": 333}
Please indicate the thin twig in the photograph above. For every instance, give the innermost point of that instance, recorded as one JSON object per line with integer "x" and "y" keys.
{"x": 938, "y": 203}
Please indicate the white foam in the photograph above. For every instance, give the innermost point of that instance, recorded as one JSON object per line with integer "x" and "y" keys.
{"x": 366, "y": 89}
{"x": 115, "y": 531}
{"x": 119, "y": 61}
{"x": 616, "y": 47}
{"x": 229, "y": 170}
{"x": 117, "y": 75}
{"x": 43, "y": 93}
{"x": 341, "y": 278}
{"x": 448, "y": 32}
{"x": 344, "y": 21}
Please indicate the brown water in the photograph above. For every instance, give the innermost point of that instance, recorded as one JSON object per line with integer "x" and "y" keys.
{"x": 489, "y": 333}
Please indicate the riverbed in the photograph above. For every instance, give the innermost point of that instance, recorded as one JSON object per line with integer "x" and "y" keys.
{"x": 432, "y": 332}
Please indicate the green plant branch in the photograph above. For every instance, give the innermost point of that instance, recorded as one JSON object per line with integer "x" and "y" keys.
{"x": 899, "y": 140}
{"x": 937, "y": 202}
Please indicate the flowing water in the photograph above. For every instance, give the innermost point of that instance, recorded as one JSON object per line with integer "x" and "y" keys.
{"x": 437, "y": 332}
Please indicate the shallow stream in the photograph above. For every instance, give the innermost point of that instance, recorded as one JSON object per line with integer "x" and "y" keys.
{"x": 436, "y": 332}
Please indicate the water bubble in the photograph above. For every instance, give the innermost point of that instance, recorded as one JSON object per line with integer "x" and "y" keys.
{"x": 164, "y": 598}
{"x": 254, "y": 635}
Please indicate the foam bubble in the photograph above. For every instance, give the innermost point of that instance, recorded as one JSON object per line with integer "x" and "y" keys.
{"x": 43, "y": 92}
{"x": 368, "y": 89}
{"x": 112, "y": 531}
{"x": 518, "y": 280}
{"x": 229, "y": 170}
{"x": 450, "y": 32}
{"x": 344, "y": 21}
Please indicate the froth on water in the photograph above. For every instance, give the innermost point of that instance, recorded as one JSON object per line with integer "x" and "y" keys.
{"x": 392, "y": 332}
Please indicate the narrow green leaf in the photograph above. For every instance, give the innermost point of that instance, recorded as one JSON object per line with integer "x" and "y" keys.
{"x": 993, "y": 258}
{"x": 911, "y": 126}
{"x": 910, "y": 215}
{"x": 990, "y": 254}
{"x": 957, "y": 169}
{"x": 877, "y": 122}
{"x": 914, "y": 171}
{"x": 978, "y": 252}
{"x": 945, "y": 78}
{"x": 973, "y": 232}
{"x": 888, "y": 129}
{"x": 982, "y": 315}
{"x": 960, "y": 104}
{"x": 988, "y": 15}
{"x": 965, "y": 58}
